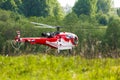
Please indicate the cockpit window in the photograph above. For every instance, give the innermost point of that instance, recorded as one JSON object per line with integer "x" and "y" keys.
{"x": 69, "y": 36}
{"x": 75, "y": 40}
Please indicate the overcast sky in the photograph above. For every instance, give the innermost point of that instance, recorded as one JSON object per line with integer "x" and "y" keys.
{"x": 72, "y": 2}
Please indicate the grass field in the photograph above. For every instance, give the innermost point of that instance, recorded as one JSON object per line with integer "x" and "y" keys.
{"x": 49, "y": 67}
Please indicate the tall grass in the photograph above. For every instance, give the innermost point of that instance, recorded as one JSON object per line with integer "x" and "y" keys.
{"x": 49, "y": 67}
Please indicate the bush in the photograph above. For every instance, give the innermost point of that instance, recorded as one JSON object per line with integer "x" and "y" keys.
{"x": 102, "y": 18}
{"x": 113, "y": 33}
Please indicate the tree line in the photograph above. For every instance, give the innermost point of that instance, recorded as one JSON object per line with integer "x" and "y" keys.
{"x": 33, "y": 7}
{"x": 94, "y": 21}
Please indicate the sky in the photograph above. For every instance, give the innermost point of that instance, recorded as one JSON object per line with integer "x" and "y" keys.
{"x": 65, "y": 2}
{"x": 117, "y": 3}
{"x": 71, "y": 2}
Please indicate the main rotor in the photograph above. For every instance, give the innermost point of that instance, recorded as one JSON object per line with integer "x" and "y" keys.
{"x": 40, "y": 25}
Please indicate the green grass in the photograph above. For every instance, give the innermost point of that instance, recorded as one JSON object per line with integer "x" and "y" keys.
{"x": 49, "y": 67}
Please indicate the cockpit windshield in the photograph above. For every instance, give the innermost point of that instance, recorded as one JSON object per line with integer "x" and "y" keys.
{"x": 72, "y": 36}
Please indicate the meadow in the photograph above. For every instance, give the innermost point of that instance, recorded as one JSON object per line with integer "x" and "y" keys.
{"x": 50, "y": 67}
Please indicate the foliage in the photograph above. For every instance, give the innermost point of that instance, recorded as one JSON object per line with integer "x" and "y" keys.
{"x": 70, "y": 20}
{"x": 102, "y": 18}
{"x": 8, "y": 5}
{"x": 34, "y": 7}
{"x": 104, "y": 6}
{"x": 91, "y": 7}
{"x": 82, "y": 7}
{"x": 86, "y": 7}
{"x": 43, "y": 67}
{"x": 54, "y": 9}
{"x": 113, "y": 33}
{"x": 118, "y": 12}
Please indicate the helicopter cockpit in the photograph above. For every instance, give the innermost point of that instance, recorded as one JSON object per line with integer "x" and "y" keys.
{"x": 72, "y": 36}
{"x": 49, "y": 34}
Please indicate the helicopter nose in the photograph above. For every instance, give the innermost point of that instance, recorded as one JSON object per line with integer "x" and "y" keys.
{"x": 76, "y": 40}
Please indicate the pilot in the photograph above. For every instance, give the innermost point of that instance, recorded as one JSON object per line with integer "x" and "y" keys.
{"x": 48, "y": 34}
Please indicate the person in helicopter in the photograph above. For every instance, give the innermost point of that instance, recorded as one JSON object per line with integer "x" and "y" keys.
{"x": 48, "y": 34}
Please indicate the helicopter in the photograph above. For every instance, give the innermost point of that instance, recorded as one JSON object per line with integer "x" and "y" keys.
{"x": 57, "y": 40}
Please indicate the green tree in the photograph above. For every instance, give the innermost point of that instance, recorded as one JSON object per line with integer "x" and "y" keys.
{"x": 18, "y": 4}
{"x": 87, "y": 7}
{"x": 54, "y": 9}
{"x": 113, "y": 33}
{"x": 1, "y": 1}
{"x": 9, "y": 5}
{"x": 82, "y": 7}
{"x": 104, "y": 6}
{"x": 102, "y": 18}
{"x": 41, "y": 8}
{"x": 93, "y": 7}
{"x": 118, "y": 12}
{"x": 70, "y": 20}
{"x": 33, "y": 8}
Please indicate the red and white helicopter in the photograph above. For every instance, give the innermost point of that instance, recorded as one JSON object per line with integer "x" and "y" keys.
{"x": 58, "y": 40}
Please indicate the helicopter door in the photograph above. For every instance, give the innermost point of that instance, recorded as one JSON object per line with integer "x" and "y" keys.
{"x": 63, "y": 45}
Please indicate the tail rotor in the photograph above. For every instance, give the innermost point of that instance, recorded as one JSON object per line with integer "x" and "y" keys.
{"x": 16, "y": 44}
{"x": 17, "y": 38}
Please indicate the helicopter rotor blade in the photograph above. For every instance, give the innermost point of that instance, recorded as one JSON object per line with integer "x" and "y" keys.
{"x": 42, "y": 25}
